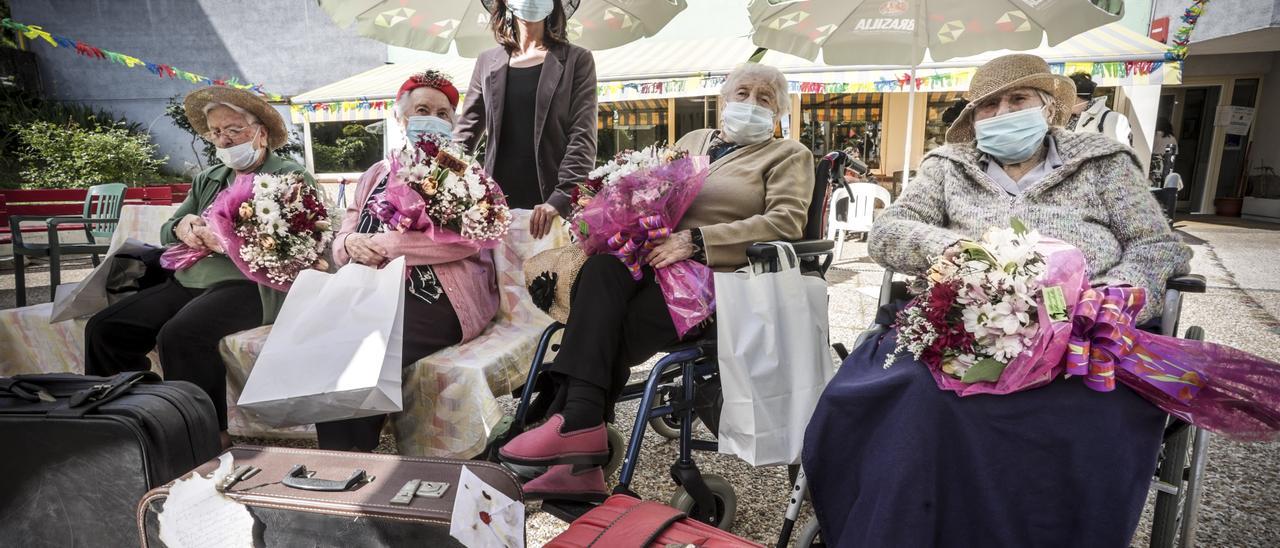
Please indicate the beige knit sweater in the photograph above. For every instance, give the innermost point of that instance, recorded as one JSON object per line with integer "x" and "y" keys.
{"x": 1098, "y": 201}
{"x": 757, "y": 193}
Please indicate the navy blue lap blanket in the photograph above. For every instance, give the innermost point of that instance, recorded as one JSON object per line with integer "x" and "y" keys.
{"x": 892, "y": 460}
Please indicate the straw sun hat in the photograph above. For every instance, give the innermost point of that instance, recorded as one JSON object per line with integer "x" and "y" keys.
{"x": 267, "y": 115}
{"x": 1018, "y": 70}
{"x": 549, "y": 277}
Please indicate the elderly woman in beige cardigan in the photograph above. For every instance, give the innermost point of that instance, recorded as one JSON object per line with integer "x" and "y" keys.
{"x": 895, "y": 461}
{"x": 758, "y": 189}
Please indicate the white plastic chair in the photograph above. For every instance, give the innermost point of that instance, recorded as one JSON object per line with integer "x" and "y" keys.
{"x": 853, "y": 211}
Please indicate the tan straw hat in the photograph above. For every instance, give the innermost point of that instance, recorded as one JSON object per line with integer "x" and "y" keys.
{"x": 549, "y": 277}
{"x": 195, "y": 102}
{"x": 1018, "y": 70}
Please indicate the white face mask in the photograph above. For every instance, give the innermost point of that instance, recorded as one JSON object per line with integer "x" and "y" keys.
{"x": 420, "y": 126}
{"x": 531, "y": 11}
{"x": 241, "y": 156}
{"x": 747, "y": 124}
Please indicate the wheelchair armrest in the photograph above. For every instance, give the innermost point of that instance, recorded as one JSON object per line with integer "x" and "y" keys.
{"x": 1187, "y": 283}
{"x": 804, "y": 249}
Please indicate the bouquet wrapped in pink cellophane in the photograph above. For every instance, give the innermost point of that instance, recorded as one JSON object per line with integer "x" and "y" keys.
{"x": 627, "y": 216}
{"x": 437, "y": 189}
{"x": 1015, "y": 311}
{"x": 272, "y": 227}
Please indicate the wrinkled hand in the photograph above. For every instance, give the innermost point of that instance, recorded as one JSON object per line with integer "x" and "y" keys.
{"x": 208, "y": 238}
{"x": 540, "y": 221}
{"x": 321, "y": 265}
{"x": 672, "y": 250}
{"x": 185, "y": 231}
{"x": 364, "y": 250}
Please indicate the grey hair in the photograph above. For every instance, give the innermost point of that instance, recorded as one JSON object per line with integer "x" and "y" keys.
{"x": 1050, "y": 101}
{"x": 770, "y": 75}
{"x": 402, "y": 107}
{"x": 249, "y": 118}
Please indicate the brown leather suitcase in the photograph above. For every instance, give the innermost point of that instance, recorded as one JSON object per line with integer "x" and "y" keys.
{"x": 332, "y": 507}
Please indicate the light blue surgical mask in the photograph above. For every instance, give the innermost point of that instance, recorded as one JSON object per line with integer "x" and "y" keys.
{"x": 1014, "y": 137}
{"x": 420, "y": 126}
{"x": 531, "y": 11}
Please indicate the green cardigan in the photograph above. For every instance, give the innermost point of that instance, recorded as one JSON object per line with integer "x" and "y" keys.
{"x": 217, "y": 267}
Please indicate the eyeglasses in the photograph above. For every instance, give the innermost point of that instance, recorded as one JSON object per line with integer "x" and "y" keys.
{"x": 233, "y": 132}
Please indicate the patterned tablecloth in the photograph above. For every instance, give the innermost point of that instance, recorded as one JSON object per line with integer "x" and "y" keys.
{"x": 450, "y": 397}
{"x": 33, "y": 345}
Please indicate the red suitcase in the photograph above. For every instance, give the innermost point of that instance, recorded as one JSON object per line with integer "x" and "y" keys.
{"x": 626, "y": 522}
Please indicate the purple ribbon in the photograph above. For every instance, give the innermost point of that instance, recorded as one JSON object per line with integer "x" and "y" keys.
{"x": 632, "y": 251}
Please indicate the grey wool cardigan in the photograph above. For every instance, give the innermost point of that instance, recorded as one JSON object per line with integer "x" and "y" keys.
{"x": 1098, "y": 201}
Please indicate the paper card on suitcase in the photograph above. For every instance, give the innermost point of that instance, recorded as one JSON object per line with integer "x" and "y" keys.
{"x": 335, "y": 350}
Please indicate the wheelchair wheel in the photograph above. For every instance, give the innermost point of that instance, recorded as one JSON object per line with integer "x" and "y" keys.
{"x": 1172, "y": 472}
{"x": 810, "y": 536}
{"x": 617, "y": 451}
{"x": 726, "y": 501}
{"x": 667, "y": 426}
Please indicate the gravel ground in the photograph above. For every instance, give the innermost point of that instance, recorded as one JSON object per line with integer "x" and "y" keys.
{"x": 1241, "y": 504}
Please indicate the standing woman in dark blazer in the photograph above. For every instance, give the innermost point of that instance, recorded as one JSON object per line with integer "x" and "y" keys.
{"x": 533, "y": 100}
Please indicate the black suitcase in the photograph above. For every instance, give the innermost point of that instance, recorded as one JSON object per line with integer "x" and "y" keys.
{"x": 80, "y": 452}
{"x": 310, "y": 497}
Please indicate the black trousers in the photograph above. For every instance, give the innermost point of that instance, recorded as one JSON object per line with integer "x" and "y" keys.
{"x": 428, "y": 328}
{"x": 615, "y": 323}
{"x": 183, "y": 324}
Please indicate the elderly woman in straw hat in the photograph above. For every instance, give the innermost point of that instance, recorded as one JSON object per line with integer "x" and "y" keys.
{"x": 894, "y": 461}
{"x": 184, "y": 318}
{"x": 451, "y": 291}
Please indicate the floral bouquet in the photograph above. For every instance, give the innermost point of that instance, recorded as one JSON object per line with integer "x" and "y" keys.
{"x": 629, "y": 204}
{"x": 271, "y": 227}
{"x": 1016, "y": 310}
{"x": 440, "y": 190}
{"x": 978, "y": 323}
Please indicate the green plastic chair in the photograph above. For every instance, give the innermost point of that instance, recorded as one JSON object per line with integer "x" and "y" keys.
{"x": 101, "y": 213}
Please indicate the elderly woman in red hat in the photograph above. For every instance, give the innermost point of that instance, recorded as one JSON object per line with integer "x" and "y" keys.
{"x": 451, "y": 291}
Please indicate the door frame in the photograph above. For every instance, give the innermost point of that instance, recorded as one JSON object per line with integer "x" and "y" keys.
{"x": 1226, "y": 84}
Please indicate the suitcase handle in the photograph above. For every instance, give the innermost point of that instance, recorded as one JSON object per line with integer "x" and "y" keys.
{"x": 298, "y": 478}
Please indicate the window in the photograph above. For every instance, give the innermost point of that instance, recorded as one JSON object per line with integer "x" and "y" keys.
{"x": 345, "y": 147}
{"x": 850, "y": 121}
{"x": 629, "y": 125}
{"x": 935, "y": 130}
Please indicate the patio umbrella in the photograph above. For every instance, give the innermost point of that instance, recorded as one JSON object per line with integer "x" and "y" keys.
{"x": 431, "y": 25}
{"x": 899, "y": 32}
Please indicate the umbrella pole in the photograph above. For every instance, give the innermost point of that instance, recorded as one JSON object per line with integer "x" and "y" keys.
{"x": 911, "y": 114}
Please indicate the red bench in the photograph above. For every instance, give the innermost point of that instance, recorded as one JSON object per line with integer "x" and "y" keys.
{"x": 70, "y": 201}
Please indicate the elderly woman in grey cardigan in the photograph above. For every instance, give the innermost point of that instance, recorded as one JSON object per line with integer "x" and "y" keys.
{"x": 893, "y": 460}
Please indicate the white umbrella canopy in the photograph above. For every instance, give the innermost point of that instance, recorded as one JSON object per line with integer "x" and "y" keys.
{"x": 432, "y": 25}
{"x": 898, "y": 32}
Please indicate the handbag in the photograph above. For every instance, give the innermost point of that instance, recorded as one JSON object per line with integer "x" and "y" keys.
{"x": 627, "y": 522}
{"x": 335, "y": 350}
{"x": 774, "y": 360}
{"x": 549, "y": 277}
{"x": 126, "y": 269}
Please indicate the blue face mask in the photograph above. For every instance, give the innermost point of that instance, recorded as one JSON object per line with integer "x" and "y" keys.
{"x": 1013, "y": 137}
{"x": 531, "y": 10}
{"x": 420, "y": 126}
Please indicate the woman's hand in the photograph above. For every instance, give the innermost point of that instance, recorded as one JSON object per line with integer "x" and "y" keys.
{"x": 672, "y": 250}
{"x": 362, "y": 249}
{"x": 540, "y": 221}
{"x": 185, "y": 231}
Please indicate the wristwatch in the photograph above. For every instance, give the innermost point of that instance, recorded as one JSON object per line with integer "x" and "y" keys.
{"x": 699, "y": 250}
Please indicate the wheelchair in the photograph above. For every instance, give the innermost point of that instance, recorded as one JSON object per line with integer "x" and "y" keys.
{"x": 1180, "y": 466}
{"x": 681, "y": 389}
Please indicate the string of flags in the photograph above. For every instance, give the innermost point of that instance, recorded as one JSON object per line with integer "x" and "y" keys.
{"x": 1182, "y": 38}
{"x": 35, "y": 32}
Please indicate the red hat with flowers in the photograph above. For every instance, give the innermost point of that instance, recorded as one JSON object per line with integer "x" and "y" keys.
{"x": 431, "y": 79}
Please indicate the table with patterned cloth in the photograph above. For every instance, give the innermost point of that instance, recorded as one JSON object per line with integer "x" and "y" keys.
{"x": 450, "y": 397}
{"x": 33, "y": 345}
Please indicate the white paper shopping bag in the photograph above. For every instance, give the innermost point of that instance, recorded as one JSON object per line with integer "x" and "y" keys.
{"x": 772, "y": 345}
{"x": 334, "y": 352}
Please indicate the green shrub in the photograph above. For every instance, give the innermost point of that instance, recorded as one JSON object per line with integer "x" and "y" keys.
{"x": 72, "y": 156}
{"x": 19, "y": 108}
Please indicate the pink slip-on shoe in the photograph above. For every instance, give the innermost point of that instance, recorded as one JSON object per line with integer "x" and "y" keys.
{"x": 547, "y": 446}
{"x": 562, "y": 482}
